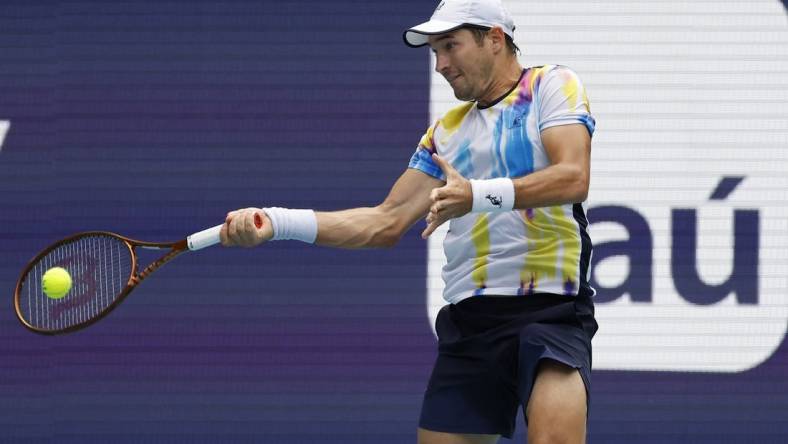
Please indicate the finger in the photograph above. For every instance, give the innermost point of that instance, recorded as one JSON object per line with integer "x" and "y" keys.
{"x": 430, "y": 218}
{"x": 223, "y": 236}
{"x": 438, "y": 194}
{"x": 232, "y": 223}
{"x": 430, "y": 228}
{"x": 241, "y": 223}
{"x": 232, "y": 230}
{"x": 250, "y": 231}
{"x": 434, "y": 223}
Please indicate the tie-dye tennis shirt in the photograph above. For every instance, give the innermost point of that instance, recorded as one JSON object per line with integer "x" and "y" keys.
{"x": 518, "y": 252}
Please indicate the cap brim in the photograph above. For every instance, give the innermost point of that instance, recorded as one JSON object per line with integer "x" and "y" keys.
{"x": 419, "y": 34}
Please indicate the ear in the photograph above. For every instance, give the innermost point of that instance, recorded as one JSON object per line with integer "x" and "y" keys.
{"x": 498, "y": 39}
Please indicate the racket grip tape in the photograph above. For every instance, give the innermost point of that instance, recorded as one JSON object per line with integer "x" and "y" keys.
{"x": 204, "y": 238}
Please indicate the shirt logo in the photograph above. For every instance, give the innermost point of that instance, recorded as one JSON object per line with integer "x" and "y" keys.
{"x": 495, "y": 200}
{"x": 516, "y": 121}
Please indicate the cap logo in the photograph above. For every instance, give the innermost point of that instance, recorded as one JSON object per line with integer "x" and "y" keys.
{"x": 440, "y": 6}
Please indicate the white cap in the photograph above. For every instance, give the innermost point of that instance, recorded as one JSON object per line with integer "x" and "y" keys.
{"x": 454, "y": 14}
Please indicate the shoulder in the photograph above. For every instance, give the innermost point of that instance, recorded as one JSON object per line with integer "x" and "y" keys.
{"x": 447, "y": 124}
{"x": 539, "y": 75}
{"x": 552, "y": 70}
{"x": 452, "y": 119}
{"x": 551, "y": 80}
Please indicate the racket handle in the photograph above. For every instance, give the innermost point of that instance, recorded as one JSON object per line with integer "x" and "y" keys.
{"x": 204, "y": 238}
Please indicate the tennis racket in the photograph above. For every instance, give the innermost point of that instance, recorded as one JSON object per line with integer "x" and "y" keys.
{"x": 104, "y": 269}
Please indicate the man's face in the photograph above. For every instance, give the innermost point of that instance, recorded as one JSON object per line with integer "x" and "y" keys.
{"x": 465, "y": 64}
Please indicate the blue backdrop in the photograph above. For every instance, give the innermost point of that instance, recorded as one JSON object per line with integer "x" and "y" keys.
{"x": 153, "y": 119}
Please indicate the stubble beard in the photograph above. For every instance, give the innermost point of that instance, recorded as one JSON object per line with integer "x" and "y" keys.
{"x": 463, "y": 97}
{"x": 463, "y": 94}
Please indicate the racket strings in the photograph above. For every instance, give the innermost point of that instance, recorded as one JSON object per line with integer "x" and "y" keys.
{"x": 99, "y": 266}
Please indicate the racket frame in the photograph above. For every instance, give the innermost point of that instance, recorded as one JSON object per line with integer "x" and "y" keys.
{"x": 176, "y": 248}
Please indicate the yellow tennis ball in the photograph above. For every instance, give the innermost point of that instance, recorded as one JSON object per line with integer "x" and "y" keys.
{"x": 56, "y": 282}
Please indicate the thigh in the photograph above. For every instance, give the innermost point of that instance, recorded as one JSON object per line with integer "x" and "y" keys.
{"x": 432, "y": 437}
{"x": 473, "y": 385}
{"x": 543, "y": 346}
{"x": 557, "y": 408}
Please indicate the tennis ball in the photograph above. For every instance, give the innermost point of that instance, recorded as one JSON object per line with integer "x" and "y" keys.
{"x": 56, "y": 282}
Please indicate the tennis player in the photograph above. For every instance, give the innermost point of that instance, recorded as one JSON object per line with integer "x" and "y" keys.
{"x": 509, "y": 169}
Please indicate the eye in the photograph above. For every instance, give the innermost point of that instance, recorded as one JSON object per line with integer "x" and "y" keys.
{"x": 448, "y": 46}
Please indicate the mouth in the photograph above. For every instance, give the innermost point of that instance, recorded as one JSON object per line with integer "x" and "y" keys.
{"x": 452, "y": 79}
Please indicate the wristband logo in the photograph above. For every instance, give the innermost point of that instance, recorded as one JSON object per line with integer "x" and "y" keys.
{"x": 687, "y": 206}
{"x": 495, "y": 200}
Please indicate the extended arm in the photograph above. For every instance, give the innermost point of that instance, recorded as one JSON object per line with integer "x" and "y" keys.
{"x": 383, "y": 225}
{"x": 369, "y": 227}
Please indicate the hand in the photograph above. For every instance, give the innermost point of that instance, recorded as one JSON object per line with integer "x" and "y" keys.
{"x": 449, "y": 201}
{"x": 248, "y": 227}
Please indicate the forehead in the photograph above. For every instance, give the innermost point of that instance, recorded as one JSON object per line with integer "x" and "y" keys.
{"x": 453, "y": 35}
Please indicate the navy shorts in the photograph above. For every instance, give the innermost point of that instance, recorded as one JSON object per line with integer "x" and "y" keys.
{"x": 488, "y": 351}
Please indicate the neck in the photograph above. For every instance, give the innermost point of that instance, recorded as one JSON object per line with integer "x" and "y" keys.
{"x": 502, "y": 81}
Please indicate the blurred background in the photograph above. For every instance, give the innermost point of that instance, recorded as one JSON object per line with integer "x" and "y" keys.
{"x": 153, "y": 119}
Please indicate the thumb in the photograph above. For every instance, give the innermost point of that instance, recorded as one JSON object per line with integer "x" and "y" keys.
{"x": 445, "y": 166}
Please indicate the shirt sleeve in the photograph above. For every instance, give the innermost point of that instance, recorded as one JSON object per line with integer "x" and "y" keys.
{"x": 563, "y": 101}
{"x": 422, "y": 158}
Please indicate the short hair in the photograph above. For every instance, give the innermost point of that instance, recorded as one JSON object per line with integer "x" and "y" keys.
{"x": 479, "y": 32}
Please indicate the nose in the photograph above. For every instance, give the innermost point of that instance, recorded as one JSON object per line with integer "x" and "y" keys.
{"x": 441, "y": 64}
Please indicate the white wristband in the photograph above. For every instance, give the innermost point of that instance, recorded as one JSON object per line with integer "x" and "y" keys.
{"x": 293, "y": 224}
{"x": 492, "y": 195}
